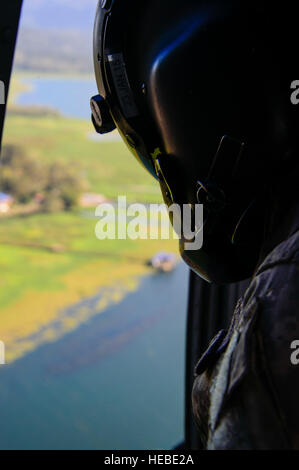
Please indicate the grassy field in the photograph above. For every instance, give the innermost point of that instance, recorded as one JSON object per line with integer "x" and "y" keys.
{"x": 109, "y": 166}
{"x": 49, "y": 262}
{"x": 52, "y": 261}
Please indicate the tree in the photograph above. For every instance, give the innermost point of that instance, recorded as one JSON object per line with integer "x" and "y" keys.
{"x": 21, "y": 176}
{"x": 65, "y": 183}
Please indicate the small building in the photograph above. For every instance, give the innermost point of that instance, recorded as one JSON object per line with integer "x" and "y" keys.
{"x": 6, "y": 202}
{"x": 164, "y": 262}
{"x": 92, "y": 200}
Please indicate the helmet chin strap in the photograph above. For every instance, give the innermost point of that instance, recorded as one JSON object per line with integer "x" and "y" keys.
{"x": 245, "y": 223}
{"x": 242, "y": 217}
{"x": 228, "y": 156}
{"x": 212, "y": 192}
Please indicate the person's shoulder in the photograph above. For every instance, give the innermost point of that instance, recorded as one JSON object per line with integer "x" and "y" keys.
{"x": 275, "y": 284}
{"x": 286, "y": 252}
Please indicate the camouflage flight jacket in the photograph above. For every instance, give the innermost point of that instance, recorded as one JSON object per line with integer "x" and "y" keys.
{"x": 246, "y": 390}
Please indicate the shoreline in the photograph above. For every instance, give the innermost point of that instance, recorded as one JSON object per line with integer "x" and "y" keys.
{"x": 51, "y": 75}
{"x": 19, "y": 86}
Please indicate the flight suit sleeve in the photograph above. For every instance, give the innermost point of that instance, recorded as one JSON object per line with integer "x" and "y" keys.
{"x": 254, "y": 385}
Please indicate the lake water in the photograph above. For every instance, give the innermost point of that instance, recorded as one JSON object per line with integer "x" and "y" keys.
{"x": 70, "y": 96}
{"x": 117, "y": 382}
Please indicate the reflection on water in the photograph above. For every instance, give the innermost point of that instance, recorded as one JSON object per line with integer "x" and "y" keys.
{"x": 116, "y": 382}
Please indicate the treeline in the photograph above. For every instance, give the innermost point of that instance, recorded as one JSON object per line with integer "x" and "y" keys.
{"x": 32, "y": 111}
{"x": 59, "y": 51}
{"x": 55, "y": 187}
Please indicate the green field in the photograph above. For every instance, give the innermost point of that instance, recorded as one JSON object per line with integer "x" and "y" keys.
{"x": 109, "y": 166}
{"x": 51, "y": 261}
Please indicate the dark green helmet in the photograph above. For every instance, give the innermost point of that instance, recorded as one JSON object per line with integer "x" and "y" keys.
{"x": 200, "y": 92}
